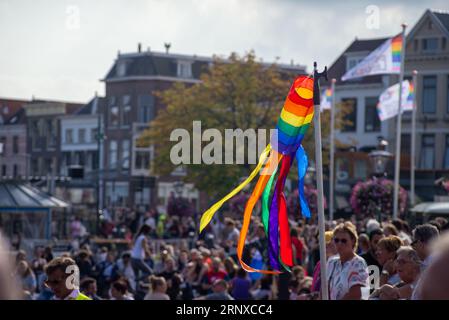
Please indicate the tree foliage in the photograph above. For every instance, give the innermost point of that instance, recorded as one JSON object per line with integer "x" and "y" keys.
{"x": 238, "y": 92}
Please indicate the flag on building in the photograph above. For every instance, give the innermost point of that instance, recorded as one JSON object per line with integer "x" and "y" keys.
{"x": 326, "y": 99}
{"x": 386, "y": 59}
{"x": 387, "y": 106}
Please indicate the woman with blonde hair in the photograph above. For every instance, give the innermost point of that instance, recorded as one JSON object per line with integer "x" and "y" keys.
{"x": 347, "y": 273}
{"x": 230, "y": 267}
{"x": 158, "y": 289}
{"x": 386, "y": 255}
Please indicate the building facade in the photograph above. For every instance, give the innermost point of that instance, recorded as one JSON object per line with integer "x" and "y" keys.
{"x": 14, "y": 161}
{"x": 427, "y": 51}
{"x": 44, "y": 137}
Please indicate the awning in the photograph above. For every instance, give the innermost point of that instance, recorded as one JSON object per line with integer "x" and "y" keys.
{"x": 432, "y": 208}
{"x": 18, "y": 195}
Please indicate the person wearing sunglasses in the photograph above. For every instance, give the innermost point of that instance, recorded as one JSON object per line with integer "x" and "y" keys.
{"x": 408, "y": 267}
{"x": 63, "y": 279}
{"x": 423, "y": 237}
{"x": 347, "y": 273}
{"x": 386, "y": 255}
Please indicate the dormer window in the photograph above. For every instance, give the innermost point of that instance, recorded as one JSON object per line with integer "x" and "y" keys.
{"x": 351, "y": 62}
{"x": 121, "y": 68}
{"x": 430, "y": 44}
{"x": 184, "y": 69}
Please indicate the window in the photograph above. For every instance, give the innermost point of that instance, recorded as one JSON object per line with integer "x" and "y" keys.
{"x": 125, "y": 154}
{"x": 93, "y": 135}
{"x": 67, "y": 157}
{"x": 427, "y": 151}
{"x": 81, "y": 158}
{"x": 126, "y": 111}
{"x": 15, "y": 171}
{"x": 3, "y": 145}
{"x": 69, "y": 136}
{"x": 350, "y": 120}
{"x": 146, "y": 108}
{"x": 372, "y": 121}
{"x": 15, "y": 144}
{"x": 443, "y": 44}
{"x": 51, "y": 133}
{"x": 406, "y": 143}
{"x": 415, "y": 45}
{"x": 429, "y": 94}
{"x": 113, "y": 112}
{"x": 446, "y": 153}
{"x": 184, "y": 69}
{"x": 352, "y": 62}
{"x": 4, "y": 169}
{"x": 81, "y": 135}
{"x": 121, "y": 68}
{"x": 360, "y": 169}
{"x": 447, "y": 94}
{"x": 430, "y": 44}
{"x": 142, "y": 160}
{"x": 34, "y": 167}
{"x": 113, "y": 154}
{"x": 94, "y": 159}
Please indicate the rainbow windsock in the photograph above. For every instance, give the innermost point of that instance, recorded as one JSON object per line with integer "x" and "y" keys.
{"x": 274, "y": 164}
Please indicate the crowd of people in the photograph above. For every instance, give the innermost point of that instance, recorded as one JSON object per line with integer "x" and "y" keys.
{"x": 366, "y": 259}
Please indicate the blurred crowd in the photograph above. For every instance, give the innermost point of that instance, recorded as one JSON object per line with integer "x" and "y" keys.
{"x": 366, "y": 259}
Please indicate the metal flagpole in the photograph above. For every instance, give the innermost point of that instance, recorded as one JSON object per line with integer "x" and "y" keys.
{"x": 319, "y": 177}
{"x": 332, "y": 154}
{"x": 398, "y": 130}
{"x": 413, "y": 155}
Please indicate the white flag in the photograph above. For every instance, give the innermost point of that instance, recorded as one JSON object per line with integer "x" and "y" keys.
{"x": 386, "y": 59}
{"x": 389, "y": 100}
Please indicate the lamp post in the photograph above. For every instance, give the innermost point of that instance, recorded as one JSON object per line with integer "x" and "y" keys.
{"x": 379, "y": 159}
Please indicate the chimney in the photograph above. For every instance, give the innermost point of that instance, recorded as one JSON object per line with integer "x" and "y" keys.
{"x": 139, "y": 47}
{"x": 167, "y": 47}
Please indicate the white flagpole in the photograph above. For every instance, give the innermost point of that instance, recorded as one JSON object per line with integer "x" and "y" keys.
{"x": 319, "y": 179}
{"x": 332, "y": 154}
{"x": 398, "y": 130}
{"x": 413, "y": 156}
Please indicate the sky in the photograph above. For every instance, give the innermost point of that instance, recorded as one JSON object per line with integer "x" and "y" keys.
{"x": 61, "y": 49}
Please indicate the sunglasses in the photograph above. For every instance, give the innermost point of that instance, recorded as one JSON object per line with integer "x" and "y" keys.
{"x": 343, "y": 241}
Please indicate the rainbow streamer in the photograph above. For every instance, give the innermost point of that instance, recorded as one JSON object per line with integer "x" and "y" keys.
{"x": 275, "y": 163}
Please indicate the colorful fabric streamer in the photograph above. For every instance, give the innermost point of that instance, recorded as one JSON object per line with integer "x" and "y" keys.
{"x": 278, "y": 156}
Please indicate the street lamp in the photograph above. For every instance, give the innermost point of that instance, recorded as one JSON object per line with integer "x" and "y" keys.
{"x": 379, "y": 158}
{"x": 310, "y": 174}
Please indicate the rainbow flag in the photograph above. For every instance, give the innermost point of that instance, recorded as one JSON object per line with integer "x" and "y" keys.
{"x": 396, "y": 47}
{"x": 326, "y": 99}
{"x": 386, "y": 59}
{"x": 389, "y": 99}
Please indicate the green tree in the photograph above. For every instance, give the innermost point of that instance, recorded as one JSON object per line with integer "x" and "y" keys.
{"x": 236, "y": 93}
